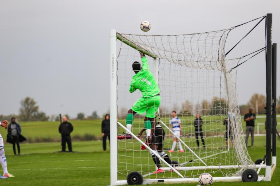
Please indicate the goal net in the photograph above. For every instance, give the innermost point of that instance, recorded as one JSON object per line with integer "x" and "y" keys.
{"x": 194, "y": 79}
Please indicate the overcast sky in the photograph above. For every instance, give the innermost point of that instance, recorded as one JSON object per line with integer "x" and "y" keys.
{"x": 57, "y": 51}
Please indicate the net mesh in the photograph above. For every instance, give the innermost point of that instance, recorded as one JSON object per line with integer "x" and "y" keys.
{"x": 194, "y": 78}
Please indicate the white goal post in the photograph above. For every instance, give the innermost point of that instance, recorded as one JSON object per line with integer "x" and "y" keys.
{"x": 198, "y": 82}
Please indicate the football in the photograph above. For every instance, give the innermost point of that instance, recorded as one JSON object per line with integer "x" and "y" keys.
{"x": 205, "y": 179}
{"x": 145, "y": 26}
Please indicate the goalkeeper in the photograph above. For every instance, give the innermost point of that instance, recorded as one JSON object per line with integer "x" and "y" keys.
{"x": 3, "y": 160}
{"x": 150, "y": 101}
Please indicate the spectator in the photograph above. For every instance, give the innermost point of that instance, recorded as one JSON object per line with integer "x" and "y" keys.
{"x": 14, "y": 135}
{"x": 105, "y": 129}
{"x": 228, "y": 133}
{"x": 198, "y": 130}
{"x": 65, "y": 129}
{"x": 250, "y": 126}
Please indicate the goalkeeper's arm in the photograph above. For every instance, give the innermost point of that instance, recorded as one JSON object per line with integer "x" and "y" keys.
{"x": 145, "y": 65}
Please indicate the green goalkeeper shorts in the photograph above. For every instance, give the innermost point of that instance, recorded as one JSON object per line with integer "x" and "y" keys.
{"x": 149, "y": 105}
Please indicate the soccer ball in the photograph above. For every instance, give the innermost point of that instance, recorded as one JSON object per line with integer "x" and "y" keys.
{"x": 145, "y": 26}
{"x": 205, "y": 179}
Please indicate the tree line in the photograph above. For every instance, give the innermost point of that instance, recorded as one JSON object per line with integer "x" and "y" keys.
{"x": 217, "y": 106}
{"x": 29, "y": 111}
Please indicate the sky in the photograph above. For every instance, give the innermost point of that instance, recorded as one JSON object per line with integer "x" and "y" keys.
{"x": 57, "y": 51}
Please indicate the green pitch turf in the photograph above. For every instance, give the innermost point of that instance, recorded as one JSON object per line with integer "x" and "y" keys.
{"x": 40, "y": 164}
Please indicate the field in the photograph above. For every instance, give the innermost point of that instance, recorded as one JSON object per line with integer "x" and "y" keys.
{"x": 42, "y": 164}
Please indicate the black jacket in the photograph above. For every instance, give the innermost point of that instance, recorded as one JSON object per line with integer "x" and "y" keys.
{"x": 65, "y": 128}
{"x": 10, "y": 128}
{"x": 105, "y": 126}
{"x": 10, "y": 137}
{"x": 198, "y": 122}
{"x": 252, "y": 122}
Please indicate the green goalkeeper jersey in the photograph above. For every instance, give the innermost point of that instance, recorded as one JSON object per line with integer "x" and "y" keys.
{"x": 144, "y": 81}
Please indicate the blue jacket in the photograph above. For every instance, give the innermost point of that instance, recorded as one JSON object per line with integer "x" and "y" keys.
{"x": 10, "y": 129}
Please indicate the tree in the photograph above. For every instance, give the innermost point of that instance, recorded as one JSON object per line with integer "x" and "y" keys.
{"x": 278, "y": 109}
{"x": 257, "y": 102}
{"x": 243, "y": 109}
{"x": 278, "y": 101}
{"x": 28, "y": 109}
{"x": 219, "y": 106}
{"x": 80, "y": 116}
{"x": 187, "y": 108}
{"x": 198, "y": 109}
{"x": 40, "y": 116}
{"x": 7, "y": 117}
{"x": 94, "y": 115}
{"x": 206, "y": 106}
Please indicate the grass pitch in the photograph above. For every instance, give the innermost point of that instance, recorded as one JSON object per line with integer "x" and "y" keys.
{"x": 42, "y": 165}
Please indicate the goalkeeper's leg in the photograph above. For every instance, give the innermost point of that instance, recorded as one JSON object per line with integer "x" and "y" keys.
{"x": 150, "y": 123}
{"x": 129, "y": 119}
{"x": 138, "y": 107}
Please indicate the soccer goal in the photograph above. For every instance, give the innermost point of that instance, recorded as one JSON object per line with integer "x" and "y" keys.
{"x": 194, "y": 77}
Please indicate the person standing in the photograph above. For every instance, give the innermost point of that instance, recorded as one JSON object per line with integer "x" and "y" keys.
{"x": 176, "y": 127}
{"x": 250, "y": 126}
{"x": 105, "y": 130}
{"x": 228, "y": 132}
{"x": 198, "y": 130}
{"x": 65, "y": 130}
{"x": 14, "y": 132}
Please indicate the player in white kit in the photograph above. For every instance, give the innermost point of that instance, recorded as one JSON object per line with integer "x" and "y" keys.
{"x": 176, "y": 126}
{"x": 3, "y": 160}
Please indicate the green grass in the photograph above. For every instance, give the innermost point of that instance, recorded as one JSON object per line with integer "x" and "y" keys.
{"x": 42, "y": 165}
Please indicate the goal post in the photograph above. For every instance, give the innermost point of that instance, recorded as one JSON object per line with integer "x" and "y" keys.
{"x": 268, "y": 95}
{"x": 199, "y": 82}
{"x": 113, "y": 108}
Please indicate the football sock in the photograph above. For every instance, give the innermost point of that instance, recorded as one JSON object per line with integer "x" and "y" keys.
{"x": 148, "y": 132}
{"x": 156, "y": 160}
{"x": 129, "y": 119}
{"x": 128, "y": 126}
{"x": 174, "y": 145}
{"x": 148, "y": 126}
{"x": 165, "y": 157}
{"x": 180, "y": 145}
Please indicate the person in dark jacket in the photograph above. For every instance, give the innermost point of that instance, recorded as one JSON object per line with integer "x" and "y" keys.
{"x": 65, "y": 130}
{"x": 250, "y": 126}
{"x": 198, "y": 130}
{"x": 105, "y": 130}
{"x": 14, "y": 131}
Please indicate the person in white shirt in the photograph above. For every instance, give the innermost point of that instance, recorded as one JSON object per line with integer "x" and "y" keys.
{"x": 3, "y": 160}
{"x": 176, "y": 126}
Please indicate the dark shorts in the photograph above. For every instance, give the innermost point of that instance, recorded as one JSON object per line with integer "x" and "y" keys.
{"x": 228, "y": 134}
{"x": 158, "y": 137}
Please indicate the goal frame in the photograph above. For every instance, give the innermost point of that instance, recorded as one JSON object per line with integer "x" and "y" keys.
{"x": 271, "y": 87}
